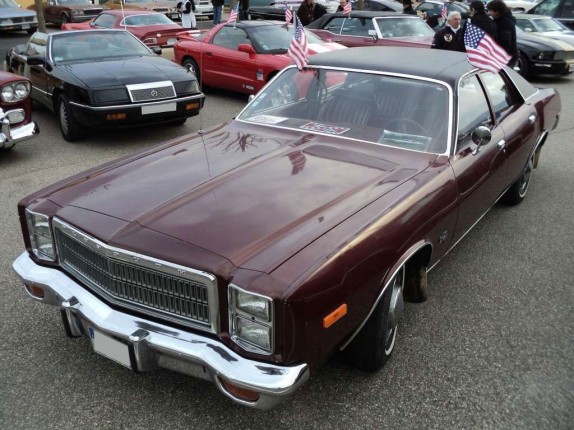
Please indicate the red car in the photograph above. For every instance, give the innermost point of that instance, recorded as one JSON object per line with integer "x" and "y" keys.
{"x": 242, "y": 56}
{"x": 366, "y": 28}
{"x": 152, "y": 28}
{"x": 15, "y": 110}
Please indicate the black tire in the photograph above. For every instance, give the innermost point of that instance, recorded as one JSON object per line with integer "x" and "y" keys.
{"x": 522, "y": 66}
{"x": 64, "y": 19}
{"x": 517, "y": 192}
{"x": 374, "y": 344}
{"x": 32, "y": 30}
{"x": 192, "y": 64}
{"x": 71, "y": 129}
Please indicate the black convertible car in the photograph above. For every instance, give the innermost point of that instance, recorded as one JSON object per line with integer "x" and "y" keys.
{"x": 103, "y": 79}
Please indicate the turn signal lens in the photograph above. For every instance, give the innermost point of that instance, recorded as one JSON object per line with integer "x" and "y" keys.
{"x": 335, "y": 316}
{"x": 115, "y": 116}
{"x": 240, "y": 393}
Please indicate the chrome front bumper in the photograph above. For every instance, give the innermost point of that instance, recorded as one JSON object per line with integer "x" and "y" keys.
{"x": 11, "y": 136}
{"x": 154, "y": 345}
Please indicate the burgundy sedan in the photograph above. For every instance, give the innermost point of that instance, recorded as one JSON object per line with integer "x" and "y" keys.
{"x": 242, "y": 56}
{"x": 152, "y": 28}
{"x": 365, "y": 28}
{"x": 248, "y": 254}
{"x": 15, "y": 110}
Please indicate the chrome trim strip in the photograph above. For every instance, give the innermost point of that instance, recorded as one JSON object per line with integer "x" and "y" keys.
{"x": 158, "y": 345}
{"x": 358, "y": 329}
{"x": 135, "y": 105}
{"x": 111, "y": 252}
{"x": 399, "y": 75}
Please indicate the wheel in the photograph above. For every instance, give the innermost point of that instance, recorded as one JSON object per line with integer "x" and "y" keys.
{"x": 191, "y": 64}
{"x": 406, "y": 125}
{"x": 517, "y": 191}
{"x": 522, "y": 66}
{"x": 64, "y": 19}
{"x": 71, "y": 129}
{"x": 285, "y": 93}
{"x": 32, "y": 30}
{"x": 375, "y": 343}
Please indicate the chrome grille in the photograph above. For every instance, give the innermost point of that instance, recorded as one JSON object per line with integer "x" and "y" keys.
{"x": 151, "y": 91}
{"x": 138, "y": 282}
{"x": 564, "y": 55}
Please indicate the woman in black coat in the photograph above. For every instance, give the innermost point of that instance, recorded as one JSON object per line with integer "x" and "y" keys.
{"x": 505, "y": 28}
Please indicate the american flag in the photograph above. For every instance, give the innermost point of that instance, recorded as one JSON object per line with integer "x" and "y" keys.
{"x": 483, "y": 52}
{"x": 348, "y": 7}
{"x": 444, "y": 12}
{"x": 233, "y": 13}
{"x": 288, "y": 13}
{"x": 298, "y": 47}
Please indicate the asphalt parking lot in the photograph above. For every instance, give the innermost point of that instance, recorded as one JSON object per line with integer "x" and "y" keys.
{"x": 492, "y": 348}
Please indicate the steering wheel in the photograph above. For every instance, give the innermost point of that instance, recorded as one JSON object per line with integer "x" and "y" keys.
{"x": 407, "y": 126}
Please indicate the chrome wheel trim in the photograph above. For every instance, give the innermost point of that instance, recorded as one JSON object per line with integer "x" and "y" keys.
{"x": 63, "y": 118}
{"x": 395, "y": 310}
{"x": 525, "y": 178}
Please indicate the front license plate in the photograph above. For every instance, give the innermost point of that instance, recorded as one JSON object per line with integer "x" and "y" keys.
{"x": 571, "y": 67}
{"x": 166, "y": 107}
{"x": 171, "y": 41}
{"x": 25, "y": 26}
{"x": 110, "y": 348}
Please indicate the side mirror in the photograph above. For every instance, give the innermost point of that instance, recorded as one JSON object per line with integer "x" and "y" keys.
{"x": 156, "y": 49}
{"x": 246, "y": 47}
{"x": 373, "y": 34}
{"x": 480, "y": 136}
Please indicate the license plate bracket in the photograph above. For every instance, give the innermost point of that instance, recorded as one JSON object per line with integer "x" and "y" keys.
{"x": 111, "y": 348}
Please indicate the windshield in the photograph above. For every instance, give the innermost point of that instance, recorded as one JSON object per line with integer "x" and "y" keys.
{"x": 95, "y": 45}
{"x": 146, "y": 19}
{"x": 73, "y": 2}
{"x": 370, "y": 107}
{"x": 275, "y": 38}
{"x": 403, "y": 27}
{"x": 544, "y": 24}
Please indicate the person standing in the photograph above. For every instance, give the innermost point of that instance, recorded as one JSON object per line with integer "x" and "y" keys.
{"x": 306, "y": 12}
{"x": 505, "y": 28}
{"x": 450, "y": 37}
{"x": 479, "y": 18}
{"x": 408, "y": 7}
{"x": 217, "y": 10}
{"x": 187, "y": 11}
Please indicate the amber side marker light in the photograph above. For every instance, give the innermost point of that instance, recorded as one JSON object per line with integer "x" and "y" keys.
{"x": 115, "y": 116}
{"x": 35, "y": 291}
{"x": 335, "y": 316}
{"x": 191, "y": 106}
{"x": 241, "y": 393}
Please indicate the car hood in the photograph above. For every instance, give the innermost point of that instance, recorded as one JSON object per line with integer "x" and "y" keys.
{"x": 542, "y": 42}
{"x": 110, "y": 73}
{"x": 252, "y": 199}
{"x": 14, "y": 12}
{"x": 566, "y": 36}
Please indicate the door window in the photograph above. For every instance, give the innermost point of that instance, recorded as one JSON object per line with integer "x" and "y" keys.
{"x": 473, "y": 109}
{"x": 229, "y": 37}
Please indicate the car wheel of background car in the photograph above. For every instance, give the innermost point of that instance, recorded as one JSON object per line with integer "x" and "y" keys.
{"x": 191, "y": 64}
{"x": 71, "y": 129}
{"x": 518, "y": 190}
{"x": 286, "y": 93}
{"x": 522, "y": 66}
{"x": 32, "y": 30}
{"x": 374, "y": 344}
{"x": 64, "y": 19}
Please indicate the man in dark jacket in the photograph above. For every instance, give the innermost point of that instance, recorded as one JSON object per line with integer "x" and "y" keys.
{"x": 408, "y": 7}
{"x": 306, "y": 12}
{"x": 450, "y": 37}
{"x": 505, "y": 28}
{"x": 479, "y": 18}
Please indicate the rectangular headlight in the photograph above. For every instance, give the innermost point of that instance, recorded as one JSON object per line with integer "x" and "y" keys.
{"x": 251, "y": 320}
{"x": 40, "y": 235}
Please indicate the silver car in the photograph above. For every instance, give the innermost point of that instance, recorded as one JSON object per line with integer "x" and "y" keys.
{"x": 12, "y": 17}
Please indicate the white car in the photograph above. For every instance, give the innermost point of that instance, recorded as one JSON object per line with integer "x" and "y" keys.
{"x": 520, "y": 6}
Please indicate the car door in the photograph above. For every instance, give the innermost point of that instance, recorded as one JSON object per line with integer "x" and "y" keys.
{"x": 223, "y": 65}
{"x": 50, "y": 10}
{"x": 518, "y": 120}
{"x": 481, "y": 172}
{"x": 348, "y": 31}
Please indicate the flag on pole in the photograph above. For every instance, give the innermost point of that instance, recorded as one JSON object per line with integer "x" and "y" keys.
{"x": 348, "y": 8}
{"x": 444, "y": 12}
{"x": 483, "y": 52}
{"x": 233, "y": 14}
{"x": 288, "y": 13}
{"x": 298, "y": 47}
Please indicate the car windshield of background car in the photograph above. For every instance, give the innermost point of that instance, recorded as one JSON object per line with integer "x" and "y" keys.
{"x": 403, "y": 27}
{"x": 93, "y": 46}
{"x": 370, "y": 107}
{"x": 146, "y": 19}
{"x": 549, "y": 24}
{"x": 72, "y": 2}
{"x": 275, "y": 39}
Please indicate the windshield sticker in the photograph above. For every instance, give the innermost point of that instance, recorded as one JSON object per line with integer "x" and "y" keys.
{"x": 323, "y": 128}
{"x": 268, "y": 119}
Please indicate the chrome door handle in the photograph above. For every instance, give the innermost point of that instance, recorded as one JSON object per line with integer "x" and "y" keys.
{"x": 501, "y": 144}
{"x": 531, "y": 119}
